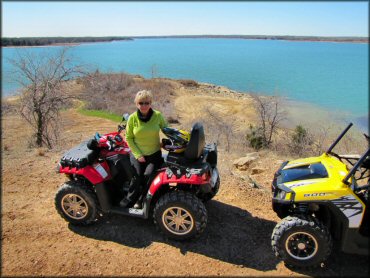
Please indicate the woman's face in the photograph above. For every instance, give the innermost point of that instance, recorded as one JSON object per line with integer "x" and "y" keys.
{"x": 143, "y": 106}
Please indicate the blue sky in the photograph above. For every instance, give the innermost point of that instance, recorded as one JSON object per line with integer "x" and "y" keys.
{"x": 42, "y": 19}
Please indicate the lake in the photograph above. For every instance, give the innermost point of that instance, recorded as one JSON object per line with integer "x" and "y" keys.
{"x": 333, "y": 76}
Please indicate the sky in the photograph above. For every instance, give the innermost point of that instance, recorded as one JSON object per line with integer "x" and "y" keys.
{"x": 98, "y": 18}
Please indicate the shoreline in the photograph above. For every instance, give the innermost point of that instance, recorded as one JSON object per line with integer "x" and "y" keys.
{"x": 309, "y": 114}
{"x": 297, "y": 112}
{"x": 53, "y": 45}
{"x": 309, "y": 39}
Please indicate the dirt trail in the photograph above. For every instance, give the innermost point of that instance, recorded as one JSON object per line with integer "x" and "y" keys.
{"x": 36, "y": 241}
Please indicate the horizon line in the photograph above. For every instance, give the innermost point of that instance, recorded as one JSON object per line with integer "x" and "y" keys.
{"x": 203, "y": 35}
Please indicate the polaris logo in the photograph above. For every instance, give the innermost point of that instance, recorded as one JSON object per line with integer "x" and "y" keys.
{"x": 316, "y": 194}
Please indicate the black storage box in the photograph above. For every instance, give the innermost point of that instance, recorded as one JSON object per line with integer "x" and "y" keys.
{"x": 79, "y": 156}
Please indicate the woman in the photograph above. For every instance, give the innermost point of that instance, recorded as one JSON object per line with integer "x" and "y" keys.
{"x": 142, "y": 135}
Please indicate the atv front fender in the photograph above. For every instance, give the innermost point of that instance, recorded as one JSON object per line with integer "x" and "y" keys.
{"x": 95, "y": 174}
{"x": 164, "y": 178}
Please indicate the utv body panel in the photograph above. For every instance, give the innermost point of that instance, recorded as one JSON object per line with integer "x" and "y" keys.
{"x": 319, "y": 180}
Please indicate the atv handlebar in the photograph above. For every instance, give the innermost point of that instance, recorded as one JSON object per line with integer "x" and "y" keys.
{"x": 111, "y": 140}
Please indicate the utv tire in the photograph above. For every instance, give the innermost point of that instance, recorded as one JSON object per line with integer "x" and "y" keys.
{"x": 209, "y": 196}
{"x": 76, "y": 203}
{"x": 301, "y": 241}
{"x": 180, "y": 215}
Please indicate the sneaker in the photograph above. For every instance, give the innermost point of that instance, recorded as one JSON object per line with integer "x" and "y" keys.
{"x": 138, "y": 205}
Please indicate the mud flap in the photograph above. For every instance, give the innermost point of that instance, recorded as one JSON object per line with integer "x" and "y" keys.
{"x": 103, "y": 197}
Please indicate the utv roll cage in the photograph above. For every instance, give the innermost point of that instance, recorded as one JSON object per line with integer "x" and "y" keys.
{"x": 361, "y": 164}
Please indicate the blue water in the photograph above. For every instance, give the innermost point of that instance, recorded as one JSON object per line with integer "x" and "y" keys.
{"x": 331, "y": 75}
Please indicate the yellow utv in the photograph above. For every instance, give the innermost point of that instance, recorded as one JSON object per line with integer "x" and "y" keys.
{"x": 321, "y": 200}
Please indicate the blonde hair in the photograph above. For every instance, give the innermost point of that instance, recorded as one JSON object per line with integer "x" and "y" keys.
{"x": 143, "y": 95}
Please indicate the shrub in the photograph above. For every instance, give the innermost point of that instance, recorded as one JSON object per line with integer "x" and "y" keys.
{"x": 255, "y": 137}
{"x": 189, "y": 83}
{"x": 115, "y": 93}
{"x": 299, "y": 135}
{"x": 300, "y": 141}
{"x": 41, "y": 152}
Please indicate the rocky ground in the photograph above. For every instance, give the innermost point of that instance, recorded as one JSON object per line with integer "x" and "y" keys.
{"x": 36, "y": 241}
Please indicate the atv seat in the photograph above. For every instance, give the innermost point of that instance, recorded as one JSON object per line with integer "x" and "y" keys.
{"x": 196, "y": 152}
{"x": 196, "y": 143}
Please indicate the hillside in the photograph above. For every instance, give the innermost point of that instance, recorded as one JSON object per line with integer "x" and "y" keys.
{"x": 36, "y": 241}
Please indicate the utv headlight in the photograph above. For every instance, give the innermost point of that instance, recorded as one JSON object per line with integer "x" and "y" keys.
{"x": 281, "y": 194}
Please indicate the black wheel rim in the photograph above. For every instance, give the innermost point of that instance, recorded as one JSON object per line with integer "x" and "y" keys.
{"x": 301, "y": 246}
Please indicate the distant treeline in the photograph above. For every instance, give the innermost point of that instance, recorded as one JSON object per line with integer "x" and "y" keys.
{"x": 36, "y": 41}
{"x": 265, "y": 37}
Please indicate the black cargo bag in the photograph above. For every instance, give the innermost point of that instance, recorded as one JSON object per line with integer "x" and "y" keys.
{"x": 79, "y": 156}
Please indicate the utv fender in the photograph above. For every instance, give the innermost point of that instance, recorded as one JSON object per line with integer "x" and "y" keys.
{"x": 333, "y": 218}
{"x": 351, "y": 241}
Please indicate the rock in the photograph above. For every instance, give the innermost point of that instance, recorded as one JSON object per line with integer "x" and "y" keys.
{"x": 243, "y": 163}
{"x": 254, "y": 154}
{"x": 257, "y": 170}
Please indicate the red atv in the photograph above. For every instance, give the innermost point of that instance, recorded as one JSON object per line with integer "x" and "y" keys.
{"x": 99, "y": 173}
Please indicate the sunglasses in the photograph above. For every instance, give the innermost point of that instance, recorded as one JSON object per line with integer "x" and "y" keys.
{"x": 144, "y": 103}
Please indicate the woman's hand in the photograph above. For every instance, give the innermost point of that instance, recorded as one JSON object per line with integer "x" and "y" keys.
{"x": 141, "y": 159}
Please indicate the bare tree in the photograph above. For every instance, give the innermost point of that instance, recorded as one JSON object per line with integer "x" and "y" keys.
{"x": 223, "y": 126}
{"x": 322, "y": 135}
{"x": 107, "y": 91}
{"x": 270, "y": 115}
{"x": 43, "y": 78}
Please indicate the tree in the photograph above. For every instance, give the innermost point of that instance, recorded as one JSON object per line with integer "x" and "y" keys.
{"x": 222, "y": 126}
{"x": 270, "y": 116}
{"x": 43, "y": 78}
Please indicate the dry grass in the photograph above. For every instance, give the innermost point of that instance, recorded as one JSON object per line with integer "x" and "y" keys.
{"x": 226, "y": 116}
{"x": 41, "y": 151}
{"x": 115, "y": 93}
